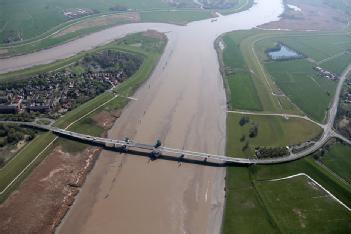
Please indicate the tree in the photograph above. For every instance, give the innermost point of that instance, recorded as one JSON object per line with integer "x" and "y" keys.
{"x": 244, "y": 120}
{"x": 253, "y": 131}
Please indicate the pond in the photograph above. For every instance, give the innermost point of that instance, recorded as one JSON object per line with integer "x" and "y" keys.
{"x": 282, "y": 52}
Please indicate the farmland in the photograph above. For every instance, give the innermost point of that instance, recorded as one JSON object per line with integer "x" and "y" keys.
{"x": 151, "y": 49}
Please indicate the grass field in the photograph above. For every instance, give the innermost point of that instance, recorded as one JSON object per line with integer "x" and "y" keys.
{"x": 338, "y": 160}
{"x": 318, "y": 47}
{"x": 251, "y": 204}
{"x": 303, "y": 86}
{"x": 175, "y": 17}
{"x": 33, "y": 17}
{"x": 151, "y": 49}
{"x": 241, "y": 91}
{"x": 258, "y": 79}
{"x": 39, "y": 26}
{"x": 273, "y": 131}
{"x": 299, "y": 206}
{"x": 254, "y": 205}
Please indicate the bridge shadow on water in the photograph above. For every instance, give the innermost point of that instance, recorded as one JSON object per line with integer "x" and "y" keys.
{"x": 148, "y": 155}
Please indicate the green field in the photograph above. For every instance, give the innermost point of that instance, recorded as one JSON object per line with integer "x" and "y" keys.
{"x": 256, "y": 83}
{"x": 328, "y": 51}
{"x": 151, "y": 49}
{"x": 175, "y": 17}
{"x": 299, "y": 206}
{"x": 273, "y": 131}
{"x": 241, "y": 91}
{"x": 28, "y": 19}
{"x": 316, "y": 46}
{"x": 255, "y": 205}
{"x": 337, "y": 159}
{"x": 303, "y": 86}
{"x": 37, "y": 23}
{"x": 33, "y": 17}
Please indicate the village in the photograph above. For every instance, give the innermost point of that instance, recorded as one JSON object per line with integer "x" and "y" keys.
{"x": 53, "y": 94}
{"x": 326, "y": 74}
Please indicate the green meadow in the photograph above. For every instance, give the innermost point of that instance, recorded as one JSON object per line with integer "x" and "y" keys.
{"x": 273, "y": 131}
{"x": 303, "y": 86}
{"x": 338, "y": 160}
{"x": 296, "y": 205}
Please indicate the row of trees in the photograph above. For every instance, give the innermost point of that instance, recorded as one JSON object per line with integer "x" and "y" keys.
{"x": 270, "y": 152}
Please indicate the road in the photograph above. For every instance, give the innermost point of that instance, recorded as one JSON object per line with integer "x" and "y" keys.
{"x": 285, "y": 115}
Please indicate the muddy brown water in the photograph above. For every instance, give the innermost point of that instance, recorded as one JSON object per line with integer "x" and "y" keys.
{"x": 183, "y": 104}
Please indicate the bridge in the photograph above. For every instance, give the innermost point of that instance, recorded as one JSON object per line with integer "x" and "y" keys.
{"x": 129, "y": 144}
{"x": 156, "y": 151}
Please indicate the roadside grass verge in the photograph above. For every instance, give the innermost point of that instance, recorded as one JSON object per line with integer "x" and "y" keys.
{"x": 151, "y": 50}
{"x": 273, "y": 131}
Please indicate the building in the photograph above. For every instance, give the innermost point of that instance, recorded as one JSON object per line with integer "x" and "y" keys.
{"x": 8, "y": 109}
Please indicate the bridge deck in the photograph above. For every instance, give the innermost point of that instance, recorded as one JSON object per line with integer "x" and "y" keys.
{"x": 112, "y": 143}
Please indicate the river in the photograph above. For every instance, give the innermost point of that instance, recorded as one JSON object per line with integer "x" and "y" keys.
{"x": 183, "y": 104}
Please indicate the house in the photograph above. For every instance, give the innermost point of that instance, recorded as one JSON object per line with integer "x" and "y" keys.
{"x": 40, "y": 109}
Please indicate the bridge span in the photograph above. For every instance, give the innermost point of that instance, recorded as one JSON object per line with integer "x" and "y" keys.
{"x": 129, "y": 144}
{"x": 155, "y": 151}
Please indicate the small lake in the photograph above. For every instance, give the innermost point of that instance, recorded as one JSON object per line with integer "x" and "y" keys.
{"x": 283, "y": 52}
